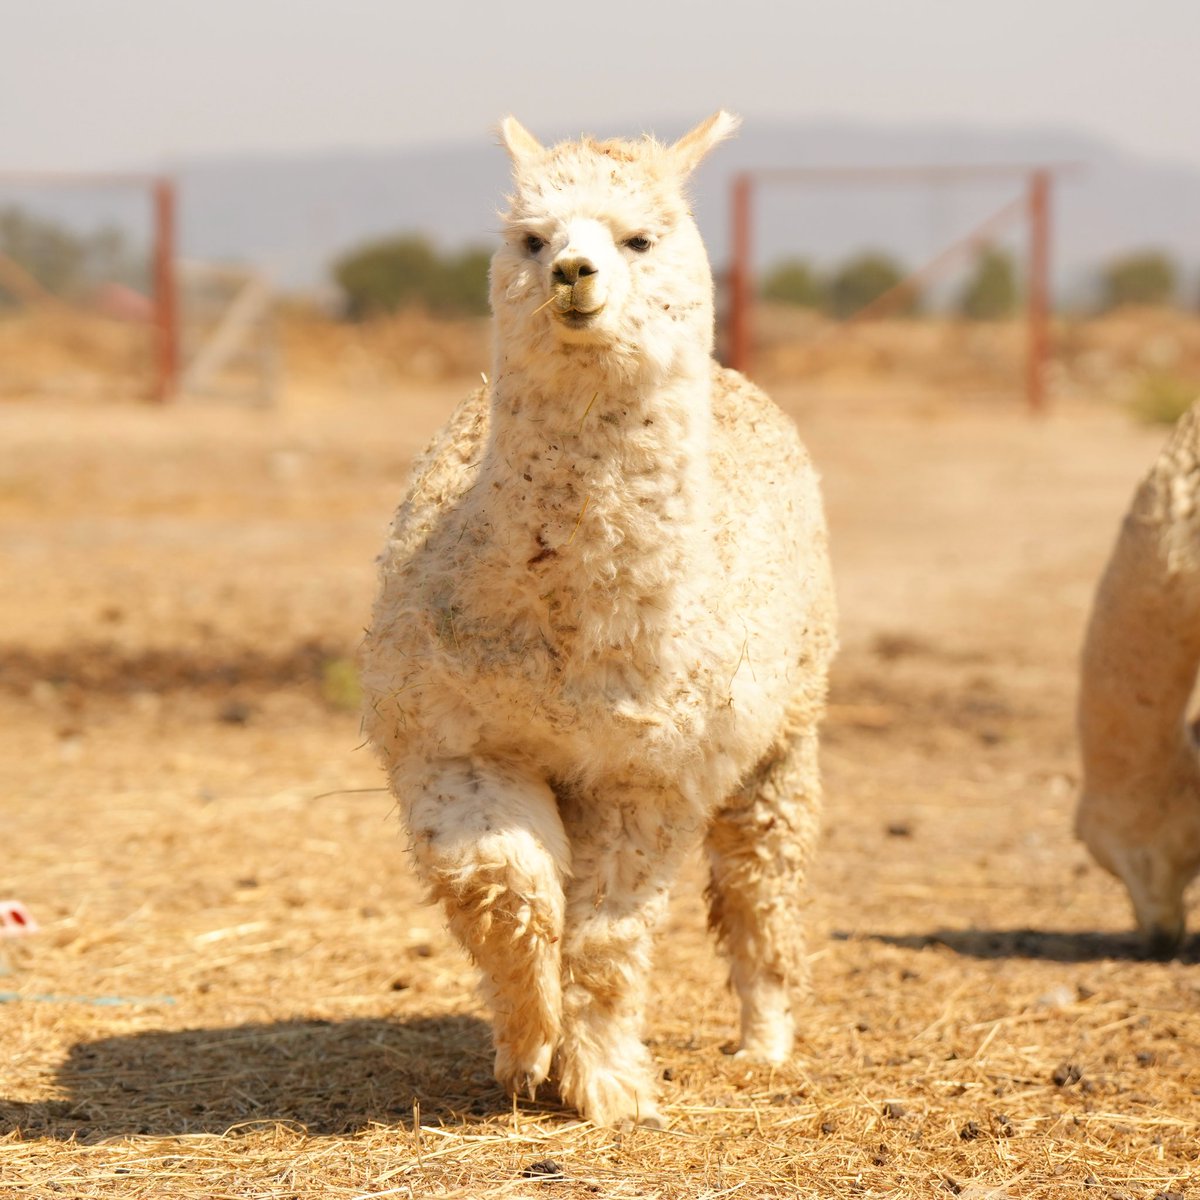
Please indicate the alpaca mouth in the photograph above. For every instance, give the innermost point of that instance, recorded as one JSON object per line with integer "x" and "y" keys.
{"x": 579, "y": 318}
{"x": 577, "y": 305}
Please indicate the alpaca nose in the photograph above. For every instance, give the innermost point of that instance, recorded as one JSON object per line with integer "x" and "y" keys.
{"x": 571, "y": 268}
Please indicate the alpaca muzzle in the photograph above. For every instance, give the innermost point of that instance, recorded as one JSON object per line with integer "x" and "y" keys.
{"x": 576, "y": 286}
{"x": 583, "y": 297}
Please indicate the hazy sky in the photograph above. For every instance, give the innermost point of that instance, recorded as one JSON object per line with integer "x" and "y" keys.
{"x": 101, "y": 83}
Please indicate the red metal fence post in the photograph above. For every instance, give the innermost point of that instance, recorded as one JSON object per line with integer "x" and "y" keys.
{"x": 1039, "y": 291}
{"x": 166, "y": 298}
{"x": 740, "y": 295}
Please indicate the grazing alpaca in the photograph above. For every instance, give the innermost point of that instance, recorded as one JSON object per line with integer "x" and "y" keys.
{"x": 603, "y": 632}
{"x": 1139, "y": 812}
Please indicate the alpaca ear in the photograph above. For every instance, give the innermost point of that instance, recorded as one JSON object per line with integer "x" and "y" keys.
{"x": 518, "y": 141}
{"x": 693, "y": 146}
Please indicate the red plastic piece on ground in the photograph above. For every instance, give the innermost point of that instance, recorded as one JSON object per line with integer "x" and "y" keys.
{"x": 15, "y": 920}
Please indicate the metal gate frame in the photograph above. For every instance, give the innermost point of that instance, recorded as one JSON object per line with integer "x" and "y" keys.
{"x": 164, "y": 287}
{"x": 1033, "y": 207}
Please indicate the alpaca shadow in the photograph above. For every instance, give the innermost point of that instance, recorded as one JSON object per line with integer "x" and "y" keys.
{"x": 329, "y": 1078}
{"x": 105, "y": 668}
{"x": 1046, "y": 944}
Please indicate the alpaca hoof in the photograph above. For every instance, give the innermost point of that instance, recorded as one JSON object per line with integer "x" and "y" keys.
{"x": 772, "y": 1054}
{"x": 649, "y": 1120}
{"x": 608, "y": 1099}
{"x": 520, "y": 1074}
{"x": 767, "y": 1040}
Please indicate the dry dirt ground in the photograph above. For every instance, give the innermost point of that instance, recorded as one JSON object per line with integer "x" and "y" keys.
{"x": 236, "y": 991}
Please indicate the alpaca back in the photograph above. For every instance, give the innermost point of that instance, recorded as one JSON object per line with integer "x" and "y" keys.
{"x": 772, "y": 540}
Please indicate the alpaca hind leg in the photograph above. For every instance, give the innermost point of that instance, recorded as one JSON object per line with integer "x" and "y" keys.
{"x": 627, "y": 849}
{"x": 759, "y": 845}
{"x": 489, "y": 844}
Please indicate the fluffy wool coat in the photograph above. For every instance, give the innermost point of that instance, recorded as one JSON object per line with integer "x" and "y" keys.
{"x": 603, "y": 632}
{"x": 1139, "y": 811}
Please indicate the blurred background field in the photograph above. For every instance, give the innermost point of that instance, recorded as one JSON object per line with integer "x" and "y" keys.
{"x": 114, "y": 312}
{"x": 1141, "y": 358}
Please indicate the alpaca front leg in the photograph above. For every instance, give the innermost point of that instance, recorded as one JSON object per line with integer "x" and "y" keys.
{"x": 759, "y": 845}
{"x": 489, "y": 844}
{"x": 626, "y": 855}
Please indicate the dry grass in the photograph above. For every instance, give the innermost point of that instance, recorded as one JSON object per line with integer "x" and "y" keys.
{"x": 60, "y": 352}
{"x": 179, "y": 792}
{"x": 946, "y": 360}
{"x": 69, "y": 353}
{"x": 372, "y": 357}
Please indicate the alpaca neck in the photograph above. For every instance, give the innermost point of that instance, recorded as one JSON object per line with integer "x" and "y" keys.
{"x": 1140, "y": 659}
{"x": 596, "y": 491}
{"x": 1138, "y": 673}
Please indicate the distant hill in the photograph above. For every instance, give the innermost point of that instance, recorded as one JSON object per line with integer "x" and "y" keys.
{"x": 294, "y": 214}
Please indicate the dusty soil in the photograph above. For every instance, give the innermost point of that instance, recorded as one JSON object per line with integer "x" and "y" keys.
{"x": 237, "y": 993}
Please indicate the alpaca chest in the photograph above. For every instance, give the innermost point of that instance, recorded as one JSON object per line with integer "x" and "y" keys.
{"x": 650, "y": 702}
{"x": 603, "y": 720}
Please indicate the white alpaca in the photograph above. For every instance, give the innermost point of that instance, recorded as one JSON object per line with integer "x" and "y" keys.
{"x": 1139, "y": 812}
{"x": 604, "y": 630}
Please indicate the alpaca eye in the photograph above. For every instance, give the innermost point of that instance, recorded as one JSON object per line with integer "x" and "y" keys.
{"x": 534, "y": 244}
{"x": 640, "y": 244}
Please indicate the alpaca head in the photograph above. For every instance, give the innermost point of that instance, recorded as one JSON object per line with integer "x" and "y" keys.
{"x": 601, "y": 257}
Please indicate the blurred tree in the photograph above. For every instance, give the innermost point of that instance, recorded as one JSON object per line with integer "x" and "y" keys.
{"x": 465, "y": 282}
{"x": 793, "y": 281}
{"x": 62, "y": 261}
{"x": 385, "y": 275}
{"x": 1148, "y": 277}
{"x": 991, "y": 292}
{"x": 109, "y": 259}
{"x": 50, "y": 253}
{"x": 394, "y": 273}
{"x": 862, "y": 280}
